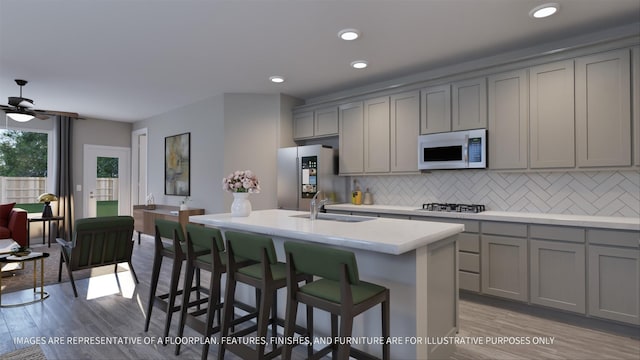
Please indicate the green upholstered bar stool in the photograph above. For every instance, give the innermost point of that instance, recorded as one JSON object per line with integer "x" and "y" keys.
{"x": 205, "y": 251}
{"x": 337, "y": 290}
{"x": 166, "y": 229}
{"x": 265, "y": 274}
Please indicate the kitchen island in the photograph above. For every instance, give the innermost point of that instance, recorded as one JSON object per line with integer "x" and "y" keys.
{"x": 417, "y": 261}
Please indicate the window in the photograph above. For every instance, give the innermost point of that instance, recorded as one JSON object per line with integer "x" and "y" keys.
{"x": 25, "y": 164}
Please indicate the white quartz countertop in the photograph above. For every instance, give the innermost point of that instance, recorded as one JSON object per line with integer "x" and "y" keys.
{"x": 390, "y": 236}
{"x": 606, "y": 222}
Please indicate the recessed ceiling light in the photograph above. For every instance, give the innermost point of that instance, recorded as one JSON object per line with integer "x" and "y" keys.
{"x": 359, "y": 64}
{"x": 276, "y": 79}
{"x": 349, "y": 34}
{"x": 544, "y": 10}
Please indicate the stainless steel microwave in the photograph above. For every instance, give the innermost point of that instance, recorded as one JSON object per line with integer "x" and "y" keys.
{"x": 453, "y": 150}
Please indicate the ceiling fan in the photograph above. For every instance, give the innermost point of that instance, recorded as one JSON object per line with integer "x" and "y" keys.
{"x": 21, "y": 109}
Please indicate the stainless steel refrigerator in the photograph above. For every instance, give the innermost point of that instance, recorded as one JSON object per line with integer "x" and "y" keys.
{"x": 305, "y": 170}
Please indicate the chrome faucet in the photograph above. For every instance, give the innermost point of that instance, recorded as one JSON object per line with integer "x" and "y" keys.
{"x": 313, "y": 209}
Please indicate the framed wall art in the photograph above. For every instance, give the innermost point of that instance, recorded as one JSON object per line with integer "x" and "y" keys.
{"x": 177, "y": 158}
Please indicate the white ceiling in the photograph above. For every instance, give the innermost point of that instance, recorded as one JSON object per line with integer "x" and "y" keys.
{"x": 128, "y": 60}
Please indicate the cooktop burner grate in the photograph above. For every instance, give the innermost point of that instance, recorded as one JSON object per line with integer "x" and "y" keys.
{"x": 467, "y": 208}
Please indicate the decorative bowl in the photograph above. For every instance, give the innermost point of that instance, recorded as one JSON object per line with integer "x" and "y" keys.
{"x": 20, "y": 252}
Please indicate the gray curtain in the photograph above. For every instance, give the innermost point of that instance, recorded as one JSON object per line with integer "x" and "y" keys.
{"x": 64, "y": 173}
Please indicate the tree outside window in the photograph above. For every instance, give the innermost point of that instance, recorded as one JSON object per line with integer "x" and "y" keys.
{"x": 23, "y": 167}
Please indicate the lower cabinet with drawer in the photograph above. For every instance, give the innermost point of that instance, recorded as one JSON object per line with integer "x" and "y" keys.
{"x": 614, "y": 275}
{"x": 468, "y": 252}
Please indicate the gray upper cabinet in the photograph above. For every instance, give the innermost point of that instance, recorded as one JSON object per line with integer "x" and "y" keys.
{"x": 551, "y": 117}
{"x": 326, "y": 121}
{"x": 508, "y": 120}
{"x": 351, "y": 121}
{"x": 635, "y": 54}
{"x": 318, "y": 123}
{"x": 435, "y": 116}
{"x": 303, "y": 125}
{"x": 405, "y": 119}
{"x": 377, "y": 142}
{"x": 603, "y": 109}
{"x": 469, "y": 104}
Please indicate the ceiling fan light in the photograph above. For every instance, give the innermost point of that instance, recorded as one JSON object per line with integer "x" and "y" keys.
{"x": 20, "y": 117}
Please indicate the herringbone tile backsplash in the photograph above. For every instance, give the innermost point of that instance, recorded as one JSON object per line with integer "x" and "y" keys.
{"x": 601, "y": 193}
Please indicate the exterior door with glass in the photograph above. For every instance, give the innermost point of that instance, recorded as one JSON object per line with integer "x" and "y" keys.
{"x": 106, "y": 181}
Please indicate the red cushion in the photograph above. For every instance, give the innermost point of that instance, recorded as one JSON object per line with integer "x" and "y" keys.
{"x": 4, "y": 233}
{"x": 5, "y": 210}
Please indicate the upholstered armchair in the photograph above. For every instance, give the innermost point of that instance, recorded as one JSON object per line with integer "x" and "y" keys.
{"x": 13, "y": 224}
{"x": 97, "y": 242}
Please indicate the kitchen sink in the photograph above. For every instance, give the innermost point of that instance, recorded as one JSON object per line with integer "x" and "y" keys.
{"x": 337, "y": 217}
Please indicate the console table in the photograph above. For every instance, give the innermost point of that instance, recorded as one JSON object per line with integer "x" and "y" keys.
{"x": 145, "y": 216}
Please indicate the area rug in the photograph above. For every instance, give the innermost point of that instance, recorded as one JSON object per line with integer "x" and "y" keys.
{"x": 23, "y": 279}
{"x": 33, "y": 352}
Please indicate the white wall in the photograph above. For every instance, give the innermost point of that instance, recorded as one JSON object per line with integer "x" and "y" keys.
{"x": 228, "y": 132}
{"x": 205, "y": 121}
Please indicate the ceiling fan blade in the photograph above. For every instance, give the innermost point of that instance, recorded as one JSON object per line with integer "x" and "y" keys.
{"x": 55, "y": 112}
{"x": 42, "y": 116}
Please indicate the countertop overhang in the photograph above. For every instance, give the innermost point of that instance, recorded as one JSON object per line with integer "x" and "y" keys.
{"x": 389, "y": 236}
{"x": 605, "y": 222}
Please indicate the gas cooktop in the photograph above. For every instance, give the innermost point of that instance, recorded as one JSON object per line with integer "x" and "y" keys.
{"x": 465, "y": 208}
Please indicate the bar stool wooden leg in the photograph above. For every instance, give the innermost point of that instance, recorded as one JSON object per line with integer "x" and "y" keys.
{"x": 213, "y": 307}
{"x": 155, "y": 275}
{"x": 175, "y": 278}
{"x": 188, "y": 279}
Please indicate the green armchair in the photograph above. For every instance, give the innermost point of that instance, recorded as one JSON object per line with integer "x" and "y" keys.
{"x": 97, "y": 242}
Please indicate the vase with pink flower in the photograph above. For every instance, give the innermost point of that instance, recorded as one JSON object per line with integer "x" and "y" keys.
{"x": 240, "y": 184}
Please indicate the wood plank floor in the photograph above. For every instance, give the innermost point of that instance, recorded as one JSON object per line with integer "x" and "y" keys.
{"x": 103, "y": 312}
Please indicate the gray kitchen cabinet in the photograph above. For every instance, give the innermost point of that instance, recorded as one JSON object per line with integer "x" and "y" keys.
{"x": 468, "y": 251}
{"x": 351, "y": 138}
{"x": 551, "y": 116}
{"x": 504, "y": 261}
{"x": 603, "y": 109}
{"x": 635, "y": 72}
{"x": 318, "y": 123}
{"x": 557, "y": 267}
{"x": 508, "y": 97}
{"x": 469, "y": 104}
{"x": 435, "y": 116}
{"x": 405, "y": 120}
{"x": 326, "y": 121}
{"x": 377, "y": 142}
{"x": 614, "y": 275}
{"x": 303, "y": 125}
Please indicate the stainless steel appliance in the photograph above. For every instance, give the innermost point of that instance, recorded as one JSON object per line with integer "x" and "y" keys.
{"x": 466, "y": 208}
{"x": 453, "y": 150}
{"x": 303, "y": 171}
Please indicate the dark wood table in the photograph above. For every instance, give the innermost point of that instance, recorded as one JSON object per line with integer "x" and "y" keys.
{"x": 46, "y": 224}
{"x": 33, "y": 257}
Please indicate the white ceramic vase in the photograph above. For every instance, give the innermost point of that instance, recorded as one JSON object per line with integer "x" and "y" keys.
{"x": 241, "y": 206}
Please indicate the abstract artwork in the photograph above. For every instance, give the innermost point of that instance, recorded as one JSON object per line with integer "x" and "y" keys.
{"x": 177, "y": 153}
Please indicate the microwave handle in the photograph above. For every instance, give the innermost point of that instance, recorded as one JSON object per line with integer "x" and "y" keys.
{"x": 465, "y": 149}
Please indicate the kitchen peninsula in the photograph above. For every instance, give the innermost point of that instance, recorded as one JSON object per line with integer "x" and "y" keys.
{"x": 416, "y": 260}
